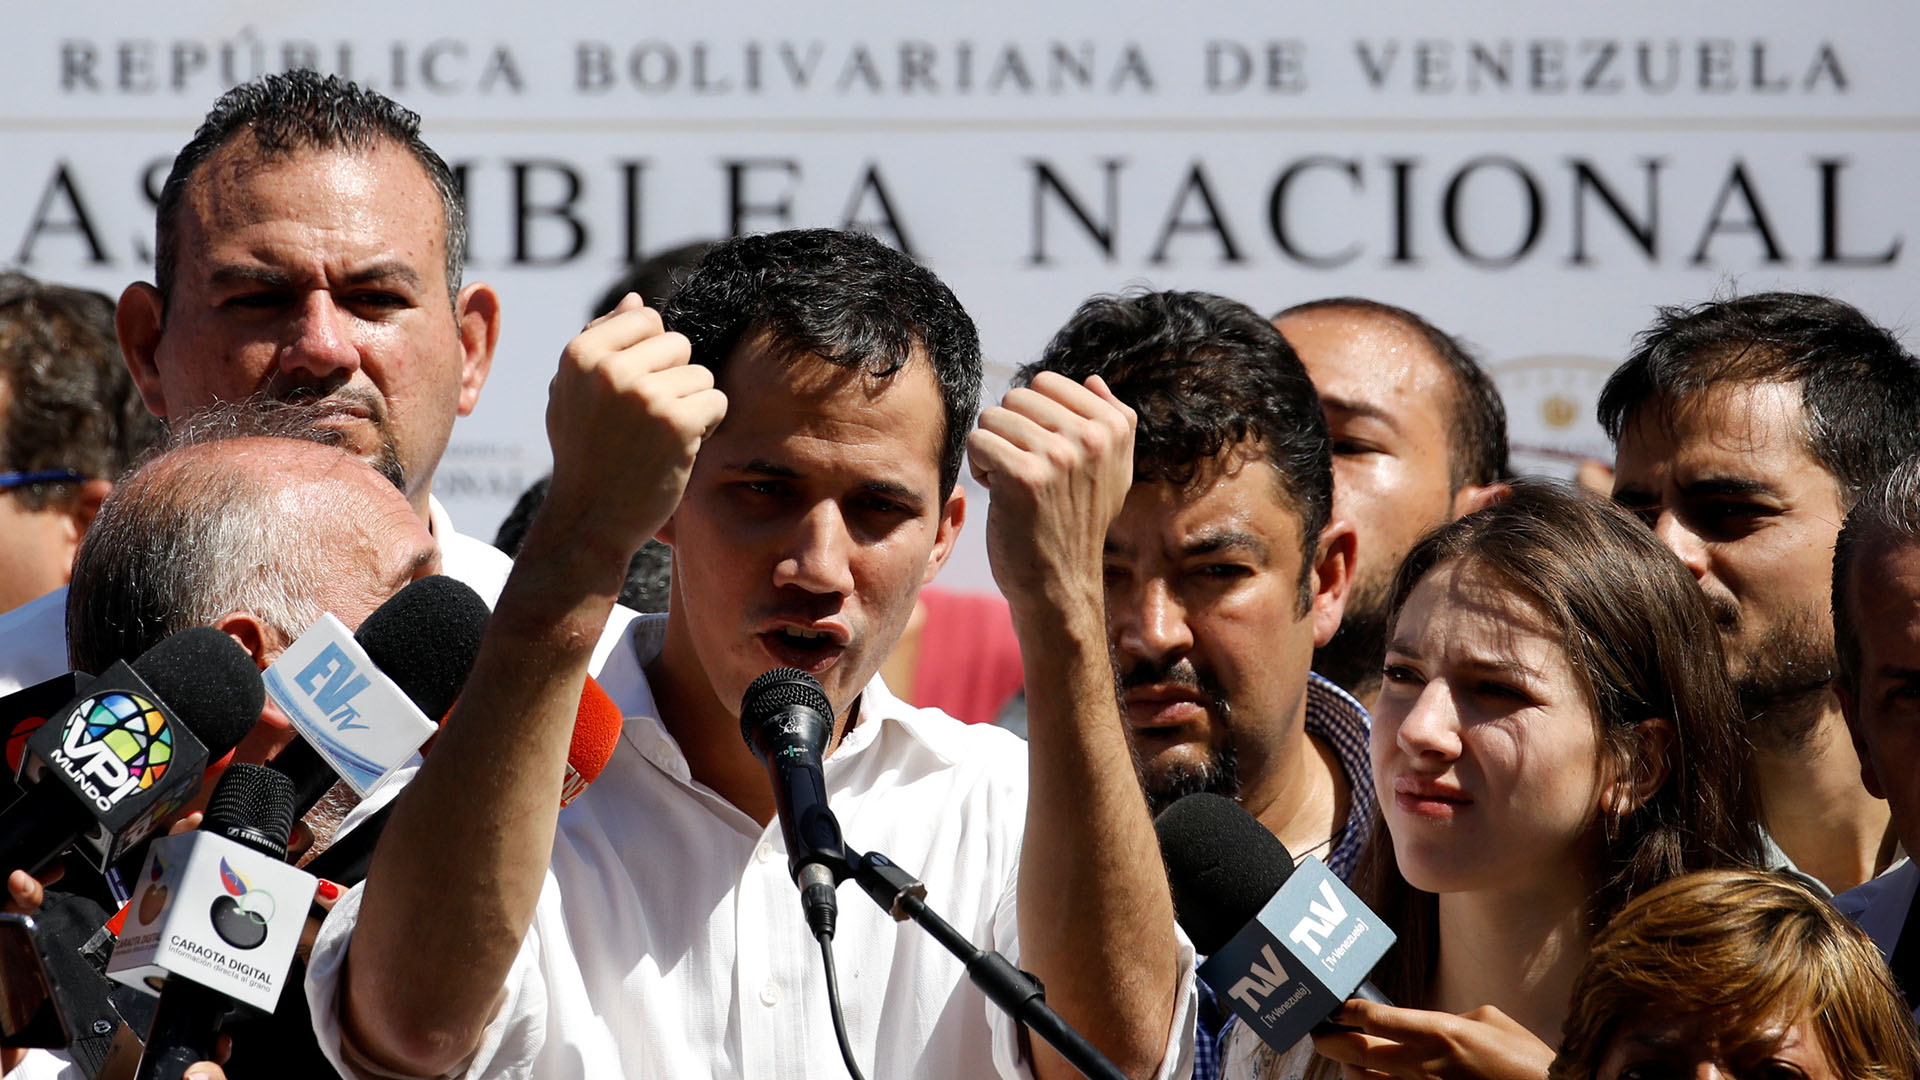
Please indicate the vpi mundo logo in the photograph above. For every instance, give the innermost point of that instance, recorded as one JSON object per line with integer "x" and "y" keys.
{"x": 113, "y": 745}
{"x": 343, "y": 681}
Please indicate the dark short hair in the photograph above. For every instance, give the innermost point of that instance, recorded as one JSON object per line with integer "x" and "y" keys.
{"x": 72, "y": 405}
{"x": 655, "y": 278}
{"x": 1859, "y": 390}
{"x": 844, "y": 297}
{"x": 303, "y": 110}
{"x": 1477, "y": 430}
{"x": 1205, "y": 374}
{"x": 1886, "y": 513}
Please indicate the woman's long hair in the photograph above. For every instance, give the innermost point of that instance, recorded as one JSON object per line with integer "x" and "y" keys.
{"x": 1642, "y": 644}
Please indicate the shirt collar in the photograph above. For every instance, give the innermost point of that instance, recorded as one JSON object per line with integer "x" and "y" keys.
{"x": 1342, "y": 722}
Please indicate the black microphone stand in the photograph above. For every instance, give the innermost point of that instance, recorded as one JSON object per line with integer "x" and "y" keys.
{"x": 901, "y": 895}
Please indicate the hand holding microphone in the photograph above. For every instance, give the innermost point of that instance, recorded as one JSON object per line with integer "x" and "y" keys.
{"x": 1286, "y": 946}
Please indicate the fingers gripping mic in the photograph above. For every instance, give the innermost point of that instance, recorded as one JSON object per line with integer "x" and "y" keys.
{"x": 1286, "y": 945}
{"x": 787, "y": 722}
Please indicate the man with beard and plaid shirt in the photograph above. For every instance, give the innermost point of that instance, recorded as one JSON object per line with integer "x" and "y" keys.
{"x": 1745, "y": 429}
{"x": 1223, "y": 572}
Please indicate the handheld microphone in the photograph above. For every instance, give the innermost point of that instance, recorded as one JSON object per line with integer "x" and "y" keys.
{"x": 130, "y": 749}
{"x": 1286, "y": 946}
{"x": 596, "y": 732}
{"x": 787, "y": 722}
{"x": 424, "y": 638}
{"x": 220, "y": 919}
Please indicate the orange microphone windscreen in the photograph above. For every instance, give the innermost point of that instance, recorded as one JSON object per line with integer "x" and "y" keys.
{"x": 596, "y": 731}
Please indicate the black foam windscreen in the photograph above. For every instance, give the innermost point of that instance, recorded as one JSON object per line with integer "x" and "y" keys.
{"x": 252, "y": 804}
{"x": 775, "y": 690}
{"x": 1222, "y": 865}
{"x": 425, "y": 638}
{"x": 208, "y": 681}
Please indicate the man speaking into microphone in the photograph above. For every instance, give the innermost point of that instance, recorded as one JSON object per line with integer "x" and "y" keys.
{"x": 795, "y": 430}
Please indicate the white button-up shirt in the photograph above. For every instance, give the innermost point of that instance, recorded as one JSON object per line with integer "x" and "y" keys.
{"x": 668, "y": 940}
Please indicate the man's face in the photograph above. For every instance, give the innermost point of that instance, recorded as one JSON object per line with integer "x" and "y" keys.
{"x": 1210, "y": 639}
{"x": 1726, "y": 480}
{"x": 1387, "y": 400}
{"x": 1883, "y": 712}
{"x": 316, "y": 276}
{"x": 811, "y": 520}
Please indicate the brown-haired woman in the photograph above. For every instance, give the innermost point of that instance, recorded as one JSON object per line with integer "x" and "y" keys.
{"x": 1556, "y": 734}
{"x": 1747, "y": 973}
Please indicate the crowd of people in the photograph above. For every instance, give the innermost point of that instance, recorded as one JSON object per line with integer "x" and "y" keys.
{"x": 1631, "y": 774}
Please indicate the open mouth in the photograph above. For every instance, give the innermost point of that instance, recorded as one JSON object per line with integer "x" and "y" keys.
{"x": 809, "y": 650}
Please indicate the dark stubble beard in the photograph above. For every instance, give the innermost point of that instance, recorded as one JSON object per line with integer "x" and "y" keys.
{"x": 1219, "y": 773}
{"x": 1782, "y": 682}
{"x": 1353, "y": 657}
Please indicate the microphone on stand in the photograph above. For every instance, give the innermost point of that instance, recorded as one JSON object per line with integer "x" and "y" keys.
{"x": 787, "y": 722}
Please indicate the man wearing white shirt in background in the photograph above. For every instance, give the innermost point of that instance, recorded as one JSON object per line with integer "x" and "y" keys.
{"x": 651, "y": 928}
{"x": 309, "y": 250}
{"x": 1876, "y": 633}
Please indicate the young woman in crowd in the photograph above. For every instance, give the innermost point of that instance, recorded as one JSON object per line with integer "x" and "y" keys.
{"x": 1747, "y": 973}
{"x": 1555, "y": 735}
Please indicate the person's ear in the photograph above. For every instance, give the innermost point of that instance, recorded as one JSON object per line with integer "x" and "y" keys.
{"x": 953, "y": 514}
{"x": 1648, "y": 769}
{"x": 77, "y": 514}
{"x": 137, "y": 321}
{"x": 1332, "y": 578}
{"x": 477, "y": 313}
{"x": 1473, "y": 497}
{"x": 252, "y": 635}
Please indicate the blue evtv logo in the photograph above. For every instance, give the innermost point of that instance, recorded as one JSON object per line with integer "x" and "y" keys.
{"x": 343, "y": 682}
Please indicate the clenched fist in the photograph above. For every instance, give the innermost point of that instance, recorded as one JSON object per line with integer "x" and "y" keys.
{"x": 626, "y": 414}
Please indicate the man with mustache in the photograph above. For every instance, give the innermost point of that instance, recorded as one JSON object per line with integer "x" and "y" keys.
{"x": 1745, "y": 429}
{"x": 1224, "y": 570}
{"x": 309, "y": 251}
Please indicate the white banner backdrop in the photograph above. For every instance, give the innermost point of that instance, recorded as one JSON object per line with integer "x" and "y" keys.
{"x": 1533, "y": 180}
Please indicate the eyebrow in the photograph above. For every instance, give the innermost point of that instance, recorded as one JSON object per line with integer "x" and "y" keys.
{"x": 385, "y": 270}
{"x": 891, "y": 489}
{"x": 1472, "y": 663}
{"x": 236, "y": 274}
{"x": 1712, "y": 486}
{"x": 1219, "y": 540}
{"x": 382, "y": 270}
{"x": 424, "y": 557}
{"x": 1360, "y": 408}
